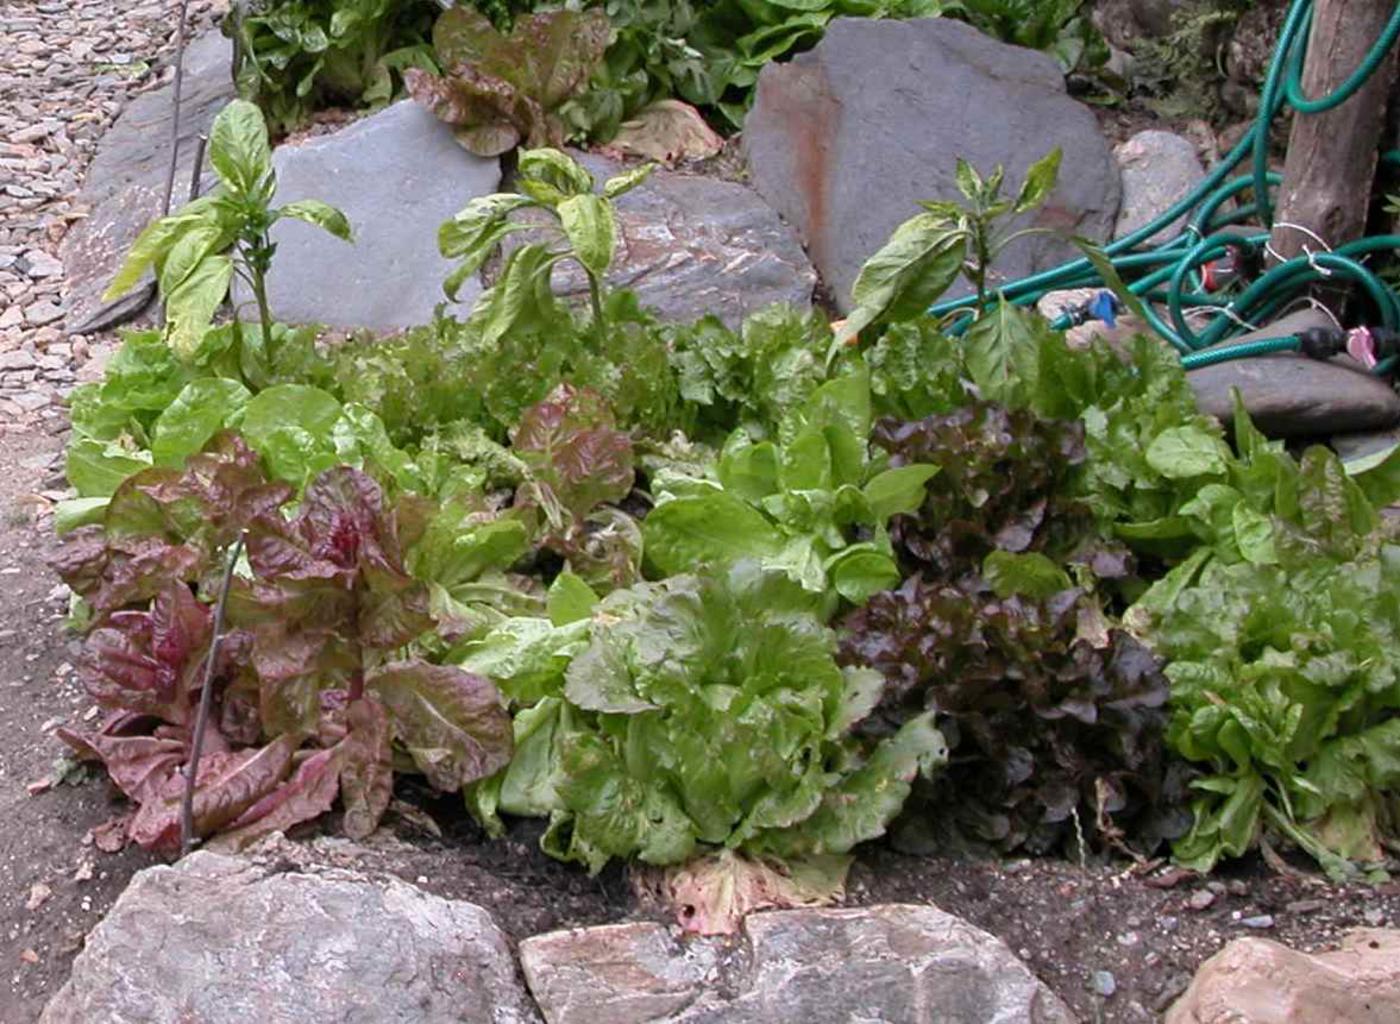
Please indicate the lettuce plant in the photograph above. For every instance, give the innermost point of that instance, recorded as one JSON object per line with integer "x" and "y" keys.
{"x": 578, "y": 468}
{"x": 295, "y": 56}
{"x": 318, "y": 684}
{"x": 501, "y": 90}
{"x": 811, "y": 504}
{"x": 696, "y": 712}
{"x": 1279, "y": 629}
{"x": 1056, "y": 735}
{"x": 1003, "y": 478}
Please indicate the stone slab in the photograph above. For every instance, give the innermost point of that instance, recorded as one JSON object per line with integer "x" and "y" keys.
{"x": 222, "y": 940}
{"x": 1158, "y": 168}
{"x": 1291, "y": 395}
{"x": 126, "y": 180}
{"x": 1258, "y": 981}
{"x": 896, "y": 964}
{"x": 844, "y": 140}
{"x": 397, "y": 175}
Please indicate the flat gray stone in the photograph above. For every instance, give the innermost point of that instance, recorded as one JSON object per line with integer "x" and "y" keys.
{"x": 690, "y": 246}
{"x": 397, "y": 175}
{"x": 894, "y": 964}
{"x": 126, "y": 180}
{"x": 844, "y": 140}
{"x": 43, "y": 312}
{"x": 1291, "y": 395}
{"x": 1158, "y": 168}
{"x": 222, "y": 940}
{"x": 1350, "y": 447}
{"x": 17, "y": 360}
{"x": 623, "y": 973}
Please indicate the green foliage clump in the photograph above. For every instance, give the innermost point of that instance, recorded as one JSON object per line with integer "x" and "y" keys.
{"x": 293, "y": 57}
{"x": 1068, "y": 613}
{"x": 697, "y": 710}
{"x": 1062, "y": 28}
{"x": 1183, "y": 72}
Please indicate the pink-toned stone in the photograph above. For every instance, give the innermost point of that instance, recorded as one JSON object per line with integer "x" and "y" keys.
{"x": 1258, "y": 981}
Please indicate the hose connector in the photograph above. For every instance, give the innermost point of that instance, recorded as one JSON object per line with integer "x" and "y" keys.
{"x": 1367, "y": 345}
{"x": 1322, "y": 342}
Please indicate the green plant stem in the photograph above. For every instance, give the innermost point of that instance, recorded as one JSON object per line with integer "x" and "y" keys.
{"x": 264, "y": 312}
{"x": 595, "y": 298}
{"x": 980, "y": 261}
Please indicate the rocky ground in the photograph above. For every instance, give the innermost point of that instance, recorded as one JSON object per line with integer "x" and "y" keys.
{"x": 67, "y": 68}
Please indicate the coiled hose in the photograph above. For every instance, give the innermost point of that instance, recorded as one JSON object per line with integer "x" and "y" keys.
{"x": 1169, "y": 274}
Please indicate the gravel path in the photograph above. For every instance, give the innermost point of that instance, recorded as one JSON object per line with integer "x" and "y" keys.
{"x": 67, "y": 67}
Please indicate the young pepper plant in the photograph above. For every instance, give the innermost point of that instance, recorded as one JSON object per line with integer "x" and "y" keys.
{"x": 584, "y": 229}
{"x": 197, "y": 250}
{"x": 926, "y": 253}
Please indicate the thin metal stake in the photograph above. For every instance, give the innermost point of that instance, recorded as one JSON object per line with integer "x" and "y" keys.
{"x": 206, "y": 701}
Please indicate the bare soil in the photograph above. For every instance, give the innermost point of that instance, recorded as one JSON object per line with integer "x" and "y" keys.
{"x": 1068, "y": 922}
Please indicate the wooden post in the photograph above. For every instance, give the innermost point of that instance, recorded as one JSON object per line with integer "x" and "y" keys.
{"x": 1332, "y": 156}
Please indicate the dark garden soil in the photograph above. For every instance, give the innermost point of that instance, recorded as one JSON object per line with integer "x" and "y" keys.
{"x": 56, "y": 882}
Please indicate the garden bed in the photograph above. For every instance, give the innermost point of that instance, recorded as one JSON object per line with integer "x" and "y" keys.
{"x": 778, "y": 589}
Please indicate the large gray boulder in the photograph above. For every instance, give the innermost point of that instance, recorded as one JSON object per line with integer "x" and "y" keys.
{"x": 690, "y": 245}
{"x": 896, "y": 964}
{"x": 126, "y": 180}
{"x": 223, "y": 940}
{"x": 1158, "y": 169}
{"x": 397, "y": 175}
{"x": 844, "y": 140}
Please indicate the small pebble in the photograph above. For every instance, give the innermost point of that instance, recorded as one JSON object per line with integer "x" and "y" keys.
{"x": 1258, "y": 921}
{"x": 1104, "y": 983}
{"x": 1201, "y": 899}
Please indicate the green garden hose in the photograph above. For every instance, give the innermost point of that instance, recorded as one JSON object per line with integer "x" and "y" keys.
{"x": 1244, "y": 350}
{"x": 1169, "y": 274}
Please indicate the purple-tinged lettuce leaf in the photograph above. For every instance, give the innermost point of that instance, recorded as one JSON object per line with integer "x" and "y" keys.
{"x": 138, "y": 765}
{"x": 307, "y": 795}
{"x": 1002, "y": 477}
{"x": 367, "y": 769}
{"x": 112, "y": 573}
{"x": 151, "y": 662}
{"x": 167, "y": 525}
{"x": 229, "y": 783}
{"x": 573, "y": 448}
{"x": 453, "y": 723}
{"x": 501, "y": 90}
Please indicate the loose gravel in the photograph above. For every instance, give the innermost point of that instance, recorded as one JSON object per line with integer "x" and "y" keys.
{"x": 67, "y": 68}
